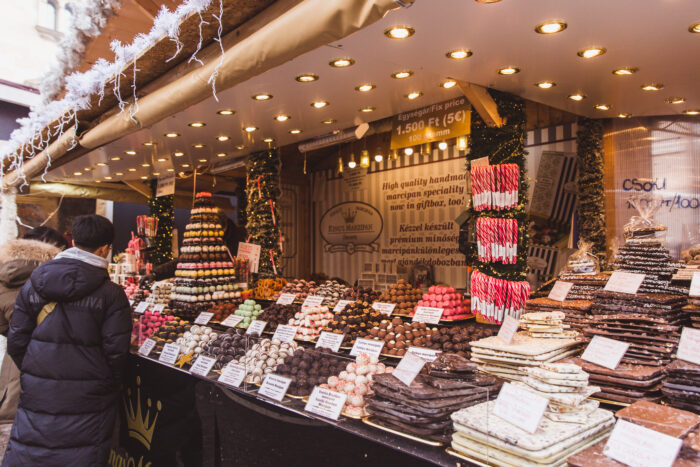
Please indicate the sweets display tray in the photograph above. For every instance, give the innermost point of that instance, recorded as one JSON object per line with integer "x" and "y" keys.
{"x": 368, "y": 421}
{"x": 442, "y": 321}
{"x": 459, "y": 455}
{"x": 343, "y": 413}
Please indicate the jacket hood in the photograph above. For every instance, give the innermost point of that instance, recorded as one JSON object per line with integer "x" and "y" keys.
{"x": 20, "y": 257}
{"x": 67, "y": 279}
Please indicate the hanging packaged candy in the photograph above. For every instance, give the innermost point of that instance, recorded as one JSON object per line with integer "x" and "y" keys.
{"x": 497, "y": 240}
{"x": 582, "y": 261}
{"x": 495, "y": 186}
{"x": 493, "y": 299}
{"x": 643, "y": 229}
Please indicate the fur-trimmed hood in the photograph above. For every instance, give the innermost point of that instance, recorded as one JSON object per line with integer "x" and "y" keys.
{"x": 18, "y": 258}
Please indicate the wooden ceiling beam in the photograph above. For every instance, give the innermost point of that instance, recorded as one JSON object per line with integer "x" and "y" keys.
{"x": 482, "y": 102}
{"x": 149, "y": 7}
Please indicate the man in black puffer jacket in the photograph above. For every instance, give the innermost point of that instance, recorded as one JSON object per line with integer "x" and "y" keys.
{"x": 71, "y": 356}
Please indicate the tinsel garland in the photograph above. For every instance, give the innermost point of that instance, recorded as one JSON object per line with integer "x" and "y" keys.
{"x": 262, "y": 215}
{"x": 591, "y": 189}
{"x": 504, "y": 145}
{"x": 163, "y": 208}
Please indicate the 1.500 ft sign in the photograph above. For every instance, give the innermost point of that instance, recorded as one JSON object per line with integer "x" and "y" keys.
{"x": 435, "y": 122}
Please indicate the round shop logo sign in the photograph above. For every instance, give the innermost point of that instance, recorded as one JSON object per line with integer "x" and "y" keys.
{"x": 351, "y": 226}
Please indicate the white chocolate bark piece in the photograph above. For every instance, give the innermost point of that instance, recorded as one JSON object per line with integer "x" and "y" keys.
{"x": 543, "y": 316}
{"x": 545, "y": 387}
{"x": 523, "y": 345}
{"x": 562, "y": 367}
{"x": 570, "y": 399}
{"x": 579, "y": 418}
{"x": 586, "y": 407}
{"x": 542, "y": 373}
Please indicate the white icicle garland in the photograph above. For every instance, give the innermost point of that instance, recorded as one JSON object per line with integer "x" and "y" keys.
{"x": 81, "y": 86}
{"x": 8, "y": 216}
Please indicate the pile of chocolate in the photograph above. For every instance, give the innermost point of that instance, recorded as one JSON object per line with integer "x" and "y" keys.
{"x": 300, "y": 287}
{"x": 332, "y": 291}
{"x": 169, "y": 332}
{"x": 277, "y": 314}
{"x": 355, "y": 320}
{"x": 576, "y": 312}
{"x": 404, "y": 295}
{"x": 363, "y": 294}
{"x": 222, "y": 310}
{"x": 626, "y": 383}
{"x": 692, "y": 310}
{"x": 308, "y": 368}
{"x": 650, "y": 323}
{"x": 234, "y": 343}
{"x": 423, "y": 409}
{"x": 263, "y": 357}
{"x": 681, "y": 388}
{"x": 584, "y": 286}
{"x": 654, "y": 261}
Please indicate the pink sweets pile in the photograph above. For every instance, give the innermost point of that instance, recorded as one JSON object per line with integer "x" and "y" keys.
{"x": 146, "y": 325}
{"x": 453, "y": 303}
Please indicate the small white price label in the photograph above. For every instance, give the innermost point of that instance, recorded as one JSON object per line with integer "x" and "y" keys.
{"x": 426, "y": 354}
{"x": 286, "y": 298}
{"x": 159, "y": 308}
{"x": 605, "y": 352}
{"x": 368, "y": 346}
{"x": 203, "y": 317}
{"x": 560, "y": 291}
{"x": 131, "y": 303}
{"x": 256, "y": 327}
{"x": 384, "y": 308}
{"x": 169, "y": 353}
{"x": 695, "y": 285}
{"x": 520, "y": 407}
{"x": 340, "y": 306}
{"x": 689, "y": 346}
{"x": 508, "y": 329}
{"x": 232, "y": 321}
{"x": 274, "y": 387}
{"x": 428, "y": 314}
{"x": 408, "y": 368}
{"x": 232, "y": 375}
{"x": 146, "y": 347}
{"x": 330, "y": 340}
{"x": 202, "y": 366}
{"x": 285, "y": 333}
{"x": 624, "y": 282}
{"x": 141, "y": 307}
{"x": 312, "y": 301}
{"x": 639, "y": 446}
{"x": 326, "y": 403}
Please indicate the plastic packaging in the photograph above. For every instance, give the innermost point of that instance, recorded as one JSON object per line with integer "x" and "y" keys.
{"x": 582, "y": 262}
{"x": 643, "y": 229}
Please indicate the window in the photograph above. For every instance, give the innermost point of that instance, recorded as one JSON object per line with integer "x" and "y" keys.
{"x": 48, "y": 14}
{"x": 65, "y": 19}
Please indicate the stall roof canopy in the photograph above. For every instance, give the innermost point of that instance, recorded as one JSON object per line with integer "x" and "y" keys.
{"x": 651, "y": 44}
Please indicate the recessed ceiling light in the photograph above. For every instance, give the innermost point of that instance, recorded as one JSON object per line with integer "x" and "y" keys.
{"x": 101, "y": 164}
{"x": 148, "y": 143}
{"x": 196, "y": 124}
{"x": 399, "y": 32}
{"x": 591, "y": 52}
{"x": 119, "y": 174}
{"x": 198, "y": 145}
{"x": 282, "y": 118}
{"x": 178, "y": 154}
{"x": 602, "y": 107}
{"x": 162, "y": 159}
{"x": 77, "y": 173}
{"x": 156, "y": 173}
{"x": 487, "y": 1}
{"x": 674, "y": 100}
{"x": 240, "y": 147}
{"x": 132, "y": 169}
{"x": 202, "y": 160}
{"x": 170, "y": 170}
{"x": 172, "y": 134}
{"x": 98, "y": 181}
{"x": 222, "y": 138}
{"x": 652, "y": 87}
{"x": 268, "y": 140}
{"x": 550, "y": 27}
{"x": 226, "y": 112}
{"x": 185, "y": 165}
{"x": 295, "y": 131}
{"x": 307, "y": 77}
{"x": 328, "y": 121}
{"x": 577, "y": 97}
{"x": 108, "y": 177}
{"x": 509, "y": 70}
{"x": 250, "y": 129}
{"x": 87, "y": 169}
{"x": 262, "y": 96}
{"x": 365, "y": 87}
{"x": 130, "y": 153}
{"x": 145, "y": 164}
{"x": 378, "y": 157}
{"x": 458, "y": 54}
{"x": 115, "y": 158}
{"x": 629, "y": 70}
{"x": 221, "y": 154}
{"x": 367, "y": 109}
{"x": 144, "y": 178}
{"x": 450, "y": 83}
{"x": 342, "y": 62}
{"x": 545, "y": 84}
{"x": 402, "y": 74}
{"x": 624, "y": 115}
{"x": 692, "y": 112}
{"x": 414, "y": 95}
{"x": 319, "y": 104}
{"x": 694, "y": 28}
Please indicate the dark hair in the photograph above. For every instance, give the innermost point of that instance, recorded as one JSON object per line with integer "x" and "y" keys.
{"x": 47, "y": 235}
{"x": 92, "y": 231}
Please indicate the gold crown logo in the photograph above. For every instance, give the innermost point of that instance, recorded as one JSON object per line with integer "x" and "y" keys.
{"x": 349, "y": 215}
{"x": 138, "y": 423}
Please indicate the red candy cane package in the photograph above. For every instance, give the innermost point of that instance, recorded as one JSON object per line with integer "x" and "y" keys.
{"x": 495, "y": 186}
{"x": 497, "y": 240}
{"x": 493, "y": 299}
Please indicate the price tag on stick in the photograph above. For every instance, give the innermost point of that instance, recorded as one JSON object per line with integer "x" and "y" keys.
{"x": 202, "y": 366}
{"x": 169, "y": 353}
{"x": 368, "y": 346}
{"x": 330, "y": 340}
{"x": 408, "y": 368}
{"x": 159, "y": 308}
{"x": 274, "y": 387}
{"x": 428, "y": 355}
{"x": 428, "y": 314}
{"x": 286, "y": 298}
{"x": 605, "y": 352}
{"x": 639, "y": 446}
{"x": 384, "y": 308}
{"x": 326, "y": 403}
{"x": 689, "y": 346}
{"x": 285, "y": 333}
{"x": 624, "y": 282}
{"x": 508, "y": 329}
{"x": 141, "y": 307}
{"x": 340, "y": 306}
{"x": 232, "y": 321}
{"x": 146, "y": 347}
{"x": 560, "y": 290}
{"x": 695, "y": 285}
{"x": 520, "y": 407}
{"x": 312, "y": 301}
{"x": 204, "y": 318}
{"x": 232, "y": 375}
{"x": 256, "y": 327}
